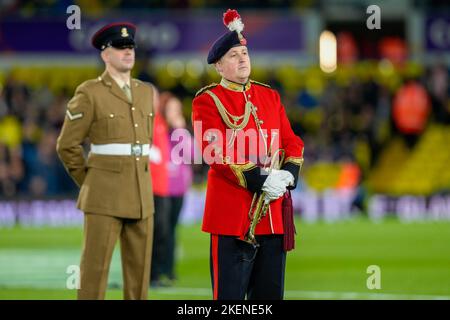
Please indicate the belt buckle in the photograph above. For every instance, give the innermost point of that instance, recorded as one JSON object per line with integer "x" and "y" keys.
{"x": 136, "y": 150}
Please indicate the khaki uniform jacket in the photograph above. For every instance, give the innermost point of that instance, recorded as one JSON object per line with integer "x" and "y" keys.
{"x": 118, "y": 186}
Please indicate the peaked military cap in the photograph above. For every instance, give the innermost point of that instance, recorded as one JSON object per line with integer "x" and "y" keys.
{"x": 117, "y": 35}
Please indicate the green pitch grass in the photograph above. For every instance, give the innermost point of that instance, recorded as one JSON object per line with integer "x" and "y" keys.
{"x": 330, "y": 262}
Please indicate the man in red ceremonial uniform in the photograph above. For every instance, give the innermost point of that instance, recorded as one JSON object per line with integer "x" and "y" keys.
{"x": 253, "y": 154}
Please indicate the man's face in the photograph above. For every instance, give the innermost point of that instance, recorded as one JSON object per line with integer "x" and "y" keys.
{"x": 235, "y": 65}
{"x": 120, "y": 59}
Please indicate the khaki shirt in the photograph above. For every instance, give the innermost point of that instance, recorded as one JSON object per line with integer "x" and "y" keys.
{"x": 118, "y": 186}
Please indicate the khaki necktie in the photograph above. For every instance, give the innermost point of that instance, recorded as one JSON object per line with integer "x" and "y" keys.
{"x": 127, "y": 91}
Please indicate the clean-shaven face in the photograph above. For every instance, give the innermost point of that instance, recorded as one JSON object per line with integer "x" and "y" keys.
{"x": 120, "y": 59}
{"x": 235, "y": 65}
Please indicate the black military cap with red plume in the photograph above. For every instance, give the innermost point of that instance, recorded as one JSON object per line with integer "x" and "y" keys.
{"x": 232, "y": 38}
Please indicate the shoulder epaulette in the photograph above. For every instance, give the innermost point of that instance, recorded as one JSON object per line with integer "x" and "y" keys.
{"x": 260, "y": 83}
{"x": 209, "y": 86}
{"x": 87, "y": 84}
{"x": 145, "y": 83}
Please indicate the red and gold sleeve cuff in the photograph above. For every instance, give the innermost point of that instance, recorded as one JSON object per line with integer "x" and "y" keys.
{"x": 249, "y": 176}
{"x": 294, "y": 166}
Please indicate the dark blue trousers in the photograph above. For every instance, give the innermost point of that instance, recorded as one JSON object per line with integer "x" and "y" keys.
{"x": 239, "y": 270}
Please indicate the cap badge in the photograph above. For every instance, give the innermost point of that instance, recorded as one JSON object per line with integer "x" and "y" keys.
{"x": 242, "y": 40}
{"x": 124, "y": 32}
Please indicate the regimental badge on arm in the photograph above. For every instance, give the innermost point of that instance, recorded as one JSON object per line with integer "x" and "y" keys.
{"x": 74, "y": 116}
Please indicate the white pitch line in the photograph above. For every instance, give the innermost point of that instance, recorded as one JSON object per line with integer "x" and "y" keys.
{"x": 289, "y": 294}
{"x": 297, "y": 294}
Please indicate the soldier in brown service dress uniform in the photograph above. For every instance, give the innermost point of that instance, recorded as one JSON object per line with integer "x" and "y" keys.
{"x": 116, "y": 113}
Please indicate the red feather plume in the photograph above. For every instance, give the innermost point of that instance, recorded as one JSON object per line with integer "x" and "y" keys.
{"x": 229, "y": 16}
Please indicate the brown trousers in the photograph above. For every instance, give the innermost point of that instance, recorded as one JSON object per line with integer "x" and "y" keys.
{"x": 100, "y": 236}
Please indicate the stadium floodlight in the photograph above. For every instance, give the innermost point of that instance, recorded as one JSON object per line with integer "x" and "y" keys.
{"x": 328, "y": 51}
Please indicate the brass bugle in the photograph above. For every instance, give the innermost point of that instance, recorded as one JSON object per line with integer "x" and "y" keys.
{"x": 261, "y": 207}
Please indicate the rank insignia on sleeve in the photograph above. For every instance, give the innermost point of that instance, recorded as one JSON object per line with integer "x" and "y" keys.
{"x": 74, "y": 116}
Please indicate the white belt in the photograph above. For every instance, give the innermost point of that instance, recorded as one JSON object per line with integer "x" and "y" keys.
{"x": 121, "y": 149}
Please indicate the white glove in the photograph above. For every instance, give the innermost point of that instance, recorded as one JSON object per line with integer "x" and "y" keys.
{"x": 274, "y": 186}
{"x": 285, "y": 175}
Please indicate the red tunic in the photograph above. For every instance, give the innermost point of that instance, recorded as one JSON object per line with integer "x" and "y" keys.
{"x": 235, "y": 175}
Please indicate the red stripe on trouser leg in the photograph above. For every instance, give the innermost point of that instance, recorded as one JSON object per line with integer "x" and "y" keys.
{"x": 215, "y": 261}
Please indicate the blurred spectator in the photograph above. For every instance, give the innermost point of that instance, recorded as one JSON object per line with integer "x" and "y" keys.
{"x": 439, "y": 87}
{"x": 179, "y": 170}
{"x": 56, "y": 111}
{"x": 147, "y": 69}
{"x": 45, "y": 175}
{"x": 410, "y": 110}
{"x": 17, "y": 97}
{"x": 172, "y": 178}
{"x": 159, "y": 158}
{"x": 11, "y": 170}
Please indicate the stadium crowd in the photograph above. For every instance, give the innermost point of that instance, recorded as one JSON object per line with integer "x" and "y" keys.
{"x": 347, "y": 119}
